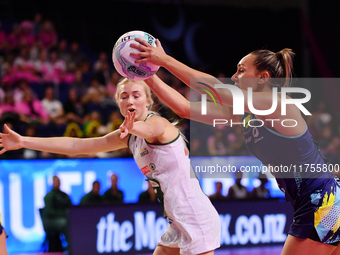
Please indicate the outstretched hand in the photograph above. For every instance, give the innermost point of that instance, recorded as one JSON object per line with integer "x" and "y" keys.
{"x": 154, "y": 55}
{"x": 9, "y": 141}
{"x": 127, "y": 124}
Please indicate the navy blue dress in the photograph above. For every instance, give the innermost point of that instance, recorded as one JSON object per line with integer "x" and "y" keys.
{"x": 311, "y": 189}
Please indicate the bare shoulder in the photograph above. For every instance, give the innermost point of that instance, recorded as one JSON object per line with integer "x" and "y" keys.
{"x": 156, "y": 119}
{"x": 159, "y": 122}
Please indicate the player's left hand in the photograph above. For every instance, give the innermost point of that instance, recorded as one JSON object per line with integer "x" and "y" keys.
{"x": 127, "y": 124}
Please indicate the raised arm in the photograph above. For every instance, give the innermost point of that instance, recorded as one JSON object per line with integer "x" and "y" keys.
{"x": 186, "y": 109}
{"x": 155, "y": 129}
{"x": 62, "y": 145}
{"x": 157, "y": 56}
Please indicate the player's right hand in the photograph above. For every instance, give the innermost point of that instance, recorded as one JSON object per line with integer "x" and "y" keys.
{"x": 154, "y": 55}
{"x": 10, "y": 140}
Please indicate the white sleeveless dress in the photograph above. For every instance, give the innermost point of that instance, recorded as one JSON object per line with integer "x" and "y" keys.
{"x": 194, "y": 224}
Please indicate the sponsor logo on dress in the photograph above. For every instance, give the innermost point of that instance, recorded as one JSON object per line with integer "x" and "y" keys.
{"x": 145, "y": 169}
{"x": 143, "y": 152}
{"x": 256, "y": 133}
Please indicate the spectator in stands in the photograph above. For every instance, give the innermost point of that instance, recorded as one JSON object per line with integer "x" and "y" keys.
{"x": 53, "y": 107}
{"x": 26, "y": 37}
{"x": 55, "y": 215}
{"x": 28, "y": 153}
{"x": 24, "y": 68}
{"x": 114, "y": 122}
{"x": 93, "y": 197}
{"x": 35, "y": 50}
{"x": 218, "y": 192}
{"x": 92, "y": 125}
{"x": 101, "y": 69}
{"x": 37, "y": 24}
{"x": 32, "y": 108}
{"x": 48, "y": 35}
{"x": 58, "y": 67}
{"x": 196, "y": 148}
{"x": 74, "y": 108}
{"x": 20, "y": 89}
{"x": 77, "y": 57}
{"x": 8, "y": 111}
{"x": 22, "y": 61}
{"x": 8, "y": 105}
{"x": 111, "y": 87}
{"x": 261, "y": 191}
{"x": 321, "y": 116}
{"x": 95, "y": 93}
{"x": 217, "y": 143}
{"x": 332, "y": 151}
{"x": 78, "y": 84}
{"x": 3, "y": 41}
{"x": 8, "y": 78}
{"x": 236, "y": 141}
{"x": 113, "y": 194}
{"x": 44, "y": 67}
{"x": 12, "y": 38}
{"x": 73, "y": 130}
{"x": 63, "y": 52}
{"x": 102, "y": 59}
{"x": 148, "y": 196}
{"x": 325, "y": 136}
{"x": 237, "y": 190}
{"x": 311, "y": 126}
{"x": 2, "y": 96}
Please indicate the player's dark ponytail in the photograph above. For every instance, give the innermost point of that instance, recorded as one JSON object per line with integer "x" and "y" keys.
{"x": 279, "y": 65}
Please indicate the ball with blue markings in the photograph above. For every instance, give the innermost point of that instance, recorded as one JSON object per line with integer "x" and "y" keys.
{"x": 125, "y": 63}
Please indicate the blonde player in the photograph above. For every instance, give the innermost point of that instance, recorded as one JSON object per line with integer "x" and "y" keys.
{"x": 160, "y": 153}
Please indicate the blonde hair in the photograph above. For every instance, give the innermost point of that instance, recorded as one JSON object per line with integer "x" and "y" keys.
{"x": 146, "y": 90}
{"x": 149, "y": 100}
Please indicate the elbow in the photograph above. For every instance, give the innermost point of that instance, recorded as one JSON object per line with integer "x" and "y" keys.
{"x": 183, "y": 115}
{"x": 184, "y": 111}
{"x": 74, "y": 149}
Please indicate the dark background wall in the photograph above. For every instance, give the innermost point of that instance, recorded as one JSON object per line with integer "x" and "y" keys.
{"x": 210, "y": 35}
{"x": 214, "y": 37}
{"x": 221, "y": 31}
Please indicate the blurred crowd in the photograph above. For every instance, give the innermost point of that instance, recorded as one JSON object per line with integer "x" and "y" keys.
{"x": 51, "y": 87}
{"x": 54, "y": 87}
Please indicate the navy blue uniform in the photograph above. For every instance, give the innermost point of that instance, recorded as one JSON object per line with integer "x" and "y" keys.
{"x": 313, "y": 192}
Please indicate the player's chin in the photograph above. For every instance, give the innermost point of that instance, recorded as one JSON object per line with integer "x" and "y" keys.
{"x": 136, "y": 115}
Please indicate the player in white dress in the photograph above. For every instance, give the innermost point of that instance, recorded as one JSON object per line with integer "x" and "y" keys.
{"x": 160, "y": 152}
